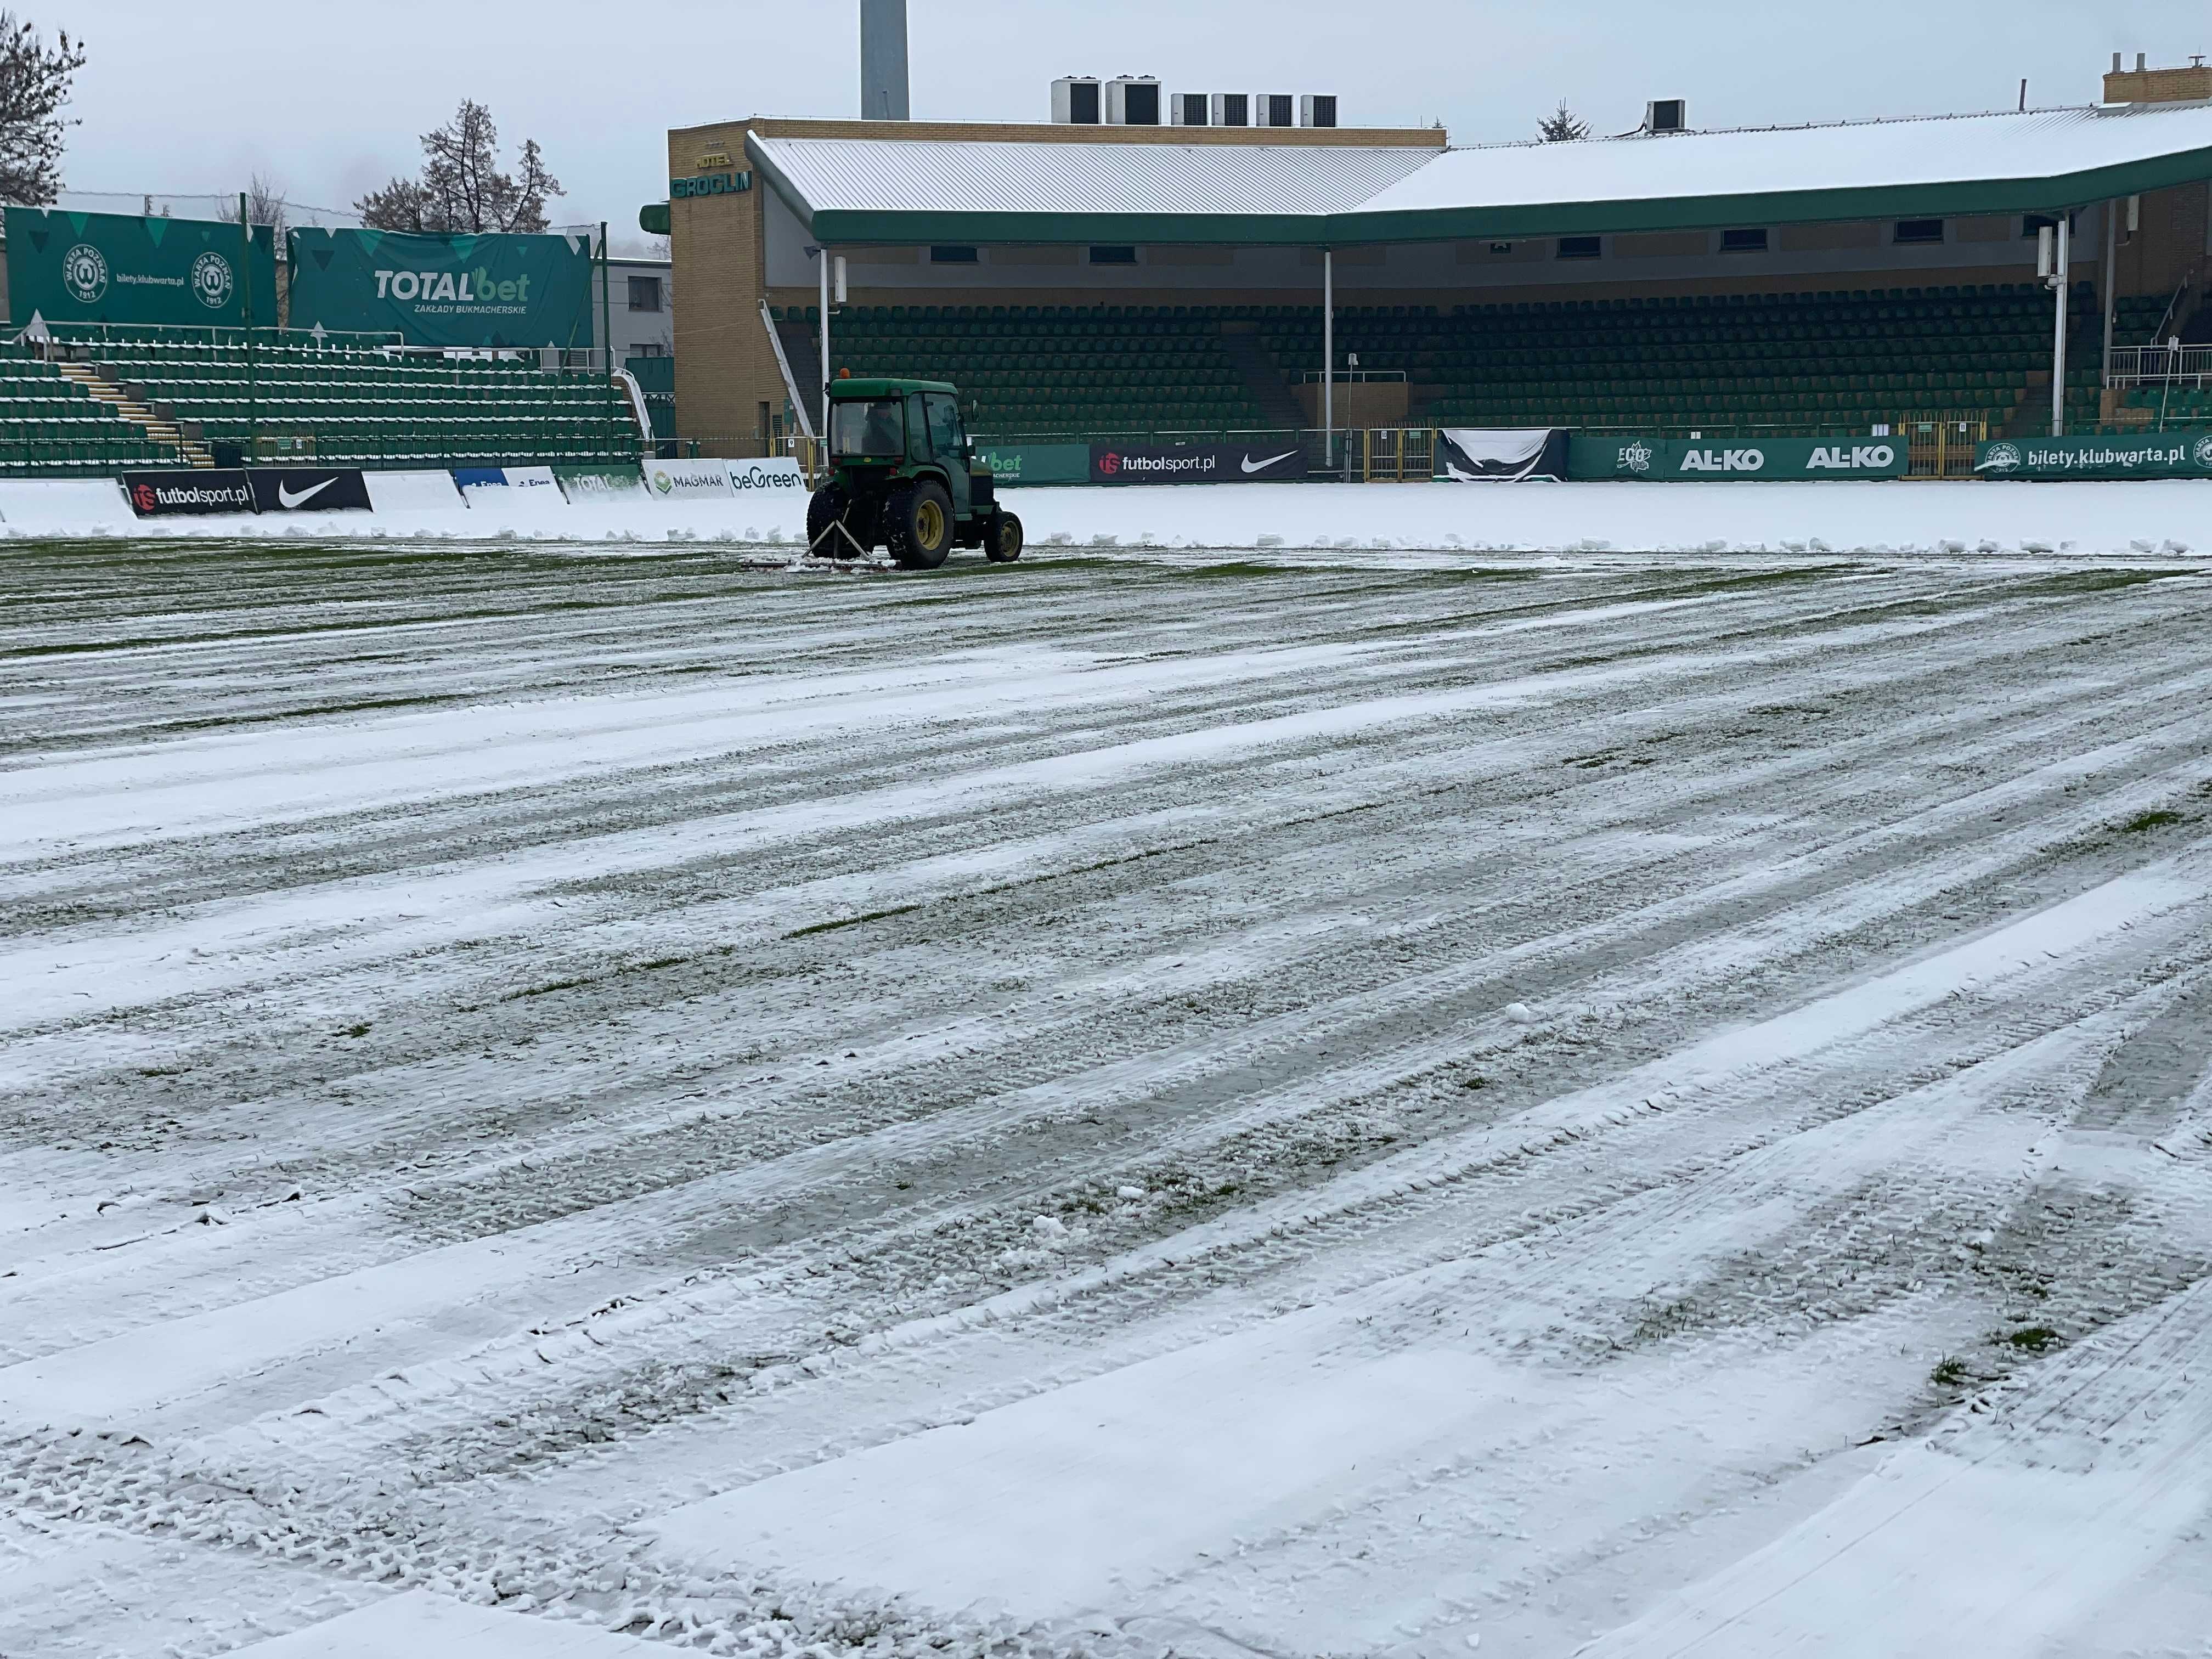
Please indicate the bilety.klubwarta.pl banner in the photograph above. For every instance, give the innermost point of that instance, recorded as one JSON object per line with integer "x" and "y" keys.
{"x": 519, "y": 291}
{"x": 120, "y": 269}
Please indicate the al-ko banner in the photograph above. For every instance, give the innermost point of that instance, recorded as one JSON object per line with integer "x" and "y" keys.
{"x": 2154, "y": 455}
{"x": 262, "y": 489}
{"x": 1154, "y": 463}
{"x": 116, "y": 268}
{"x": 1653, "y": 460}
{"x": 445, "y": 290}
{"x": 1508, "y": 457}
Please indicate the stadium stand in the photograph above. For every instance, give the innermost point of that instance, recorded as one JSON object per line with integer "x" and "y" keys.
{"x": 1815, "y": 362}
{"x": 1028, "y": 369}
{"x": 51, "y": 426}
{"x": 154, "y": 395}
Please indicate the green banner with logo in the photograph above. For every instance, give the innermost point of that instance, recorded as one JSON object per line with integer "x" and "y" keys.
{"x": 116, "y": 268}
{"x": 1036, "y": 464}
{"x": 1655, "y": 460}
{"x": 445, "y": 290}
{"x": 2152, "y": 455}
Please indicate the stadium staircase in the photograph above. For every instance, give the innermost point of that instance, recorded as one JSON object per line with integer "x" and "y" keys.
{"x": 164, "y": 432}
{"x": 327, "y": 404}
{"x": 1817, "y": 363}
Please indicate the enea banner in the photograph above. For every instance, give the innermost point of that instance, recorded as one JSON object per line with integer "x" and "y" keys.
{"x": 521, "y": 291}
{"x": 114, "y": 267}
{"x": 1161, "y": 464}
{"x": 1658, "y": 460}
{"x": 2154, "y": 455}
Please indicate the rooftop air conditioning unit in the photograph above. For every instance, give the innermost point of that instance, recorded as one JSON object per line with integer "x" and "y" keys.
{"x": 1274, "y": 109}
{"x": 1230, "y": 109}
{"x": 1133, "y": 101}
{"x": 1076, "y": 101}
{"x": 1667, "y": 115}
{"x": 1317, "y": 109}
{"x": 1192, "y": 109}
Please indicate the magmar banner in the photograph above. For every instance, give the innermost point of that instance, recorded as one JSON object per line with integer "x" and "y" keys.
{"x": 123, "y": 270}
{"x": 2152, "y": 455}
{"x": 1158, "y": 463}
{"x": 517, "y": 291}
{"x": 1678, "y": 460}
{"x": 1470, "y": 456}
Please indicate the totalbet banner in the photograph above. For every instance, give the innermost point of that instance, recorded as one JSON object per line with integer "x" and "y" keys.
{"x": 522, "y": 291}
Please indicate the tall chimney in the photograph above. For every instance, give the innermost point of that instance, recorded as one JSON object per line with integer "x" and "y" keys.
{"x": 883, "y": 60}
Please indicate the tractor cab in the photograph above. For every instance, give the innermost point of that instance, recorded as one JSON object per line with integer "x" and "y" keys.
{"x": 902, "y": 476}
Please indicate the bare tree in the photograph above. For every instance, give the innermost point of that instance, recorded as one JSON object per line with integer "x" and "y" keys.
{"x": 1563, "y": 126}
{"x": 462, "y": 190}
{"x": 264, "y": 205}
{"x": 35, "y": 85}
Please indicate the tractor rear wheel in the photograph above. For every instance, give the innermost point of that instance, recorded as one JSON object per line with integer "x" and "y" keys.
{"x": 832, "y": 506}
{"x": 1002, "y": 539}
{"x": 920, "y": 529}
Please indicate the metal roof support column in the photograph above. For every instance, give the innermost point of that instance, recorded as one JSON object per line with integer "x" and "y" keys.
{"x": 823, "y": 254}
{"x": 1328, "y": 350}
{"x": 2061, "y": 283}
{"x": 2111, "y": 283}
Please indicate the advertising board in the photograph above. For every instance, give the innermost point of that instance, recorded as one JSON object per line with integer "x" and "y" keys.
{"x": 1167, "y": 463}
{"x": 2152, "y": 455}
{"x": 1796, "y": 460}
{"x": 445, "y": 290}
{"x": 168, "y": 494}
{"x": 122, "y": 269}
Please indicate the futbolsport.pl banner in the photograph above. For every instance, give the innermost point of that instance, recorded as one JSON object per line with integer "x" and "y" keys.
{"x": 1036, "y": 464}
{"x": 166, "y": 494}
{"x": 308, "y": 489}
{"x": 116, "y": 268}
{"x": 445, "y": 290}
{"x": 2154, "y": 455}
{"x": 1510, "y": 457}
{"x": 1659, "y": 460}
{"x": 1163, "y": 463}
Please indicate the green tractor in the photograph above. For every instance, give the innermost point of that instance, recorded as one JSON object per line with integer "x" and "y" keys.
{"x": 903, "y": 477}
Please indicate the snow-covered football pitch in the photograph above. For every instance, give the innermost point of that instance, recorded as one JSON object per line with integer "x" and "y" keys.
{"x": 567, "y": 1100}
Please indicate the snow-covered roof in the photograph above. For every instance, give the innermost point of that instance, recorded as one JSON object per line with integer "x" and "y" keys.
{"x": 986, "y": 191}
{"x": 911, "y": 191}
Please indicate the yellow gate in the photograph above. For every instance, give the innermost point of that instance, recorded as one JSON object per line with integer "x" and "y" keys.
{"x": 1942, "y": 446}
{"x": 1391, "y": 454}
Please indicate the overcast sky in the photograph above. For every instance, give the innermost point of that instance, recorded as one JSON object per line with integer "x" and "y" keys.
{"x": 329, "y": 98}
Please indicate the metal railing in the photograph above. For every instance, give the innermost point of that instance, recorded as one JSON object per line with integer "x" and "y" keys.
{"x": 2155, "y": 365}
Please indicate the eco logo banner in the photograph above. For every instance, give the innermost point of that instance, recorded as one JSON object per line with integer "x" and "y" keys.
{"x": 2154, "y": 455}
{"x": 521, "y": 291}
{"x": 1659, "y": 460}
{"x": 126, "y": 270}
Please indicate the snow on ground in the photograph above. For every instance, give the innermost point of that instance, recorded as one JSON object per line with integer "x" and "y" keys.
{"x": 1952, "y": 517}
{"x": 1304, "y": 1101}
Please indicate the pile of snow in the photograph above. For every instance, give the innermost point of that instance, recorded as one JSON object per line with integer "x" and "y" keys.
{"x": 2165, "y": 517}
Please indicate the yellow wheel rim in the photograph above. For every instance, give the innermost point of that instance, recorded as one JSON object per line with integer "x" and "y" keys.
{"x": 929, "y": 525}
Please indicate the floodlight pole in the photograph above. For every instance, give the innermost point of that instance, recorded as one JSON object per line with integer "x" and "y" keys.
{"x": 2060, "y": 284}
{"x": 1328, "y": 350}
{"x": 252, "y": 399}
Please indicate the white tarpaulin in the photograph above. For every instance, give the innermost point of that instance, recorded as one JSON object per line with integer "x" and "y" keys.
{"x": 1503, "y": 457}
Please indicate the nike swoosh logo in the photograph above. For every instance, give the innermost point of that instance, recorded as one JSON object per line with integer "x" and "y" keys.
{"x": 287, "y": 500}
{"x": 1251, "y": 466}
